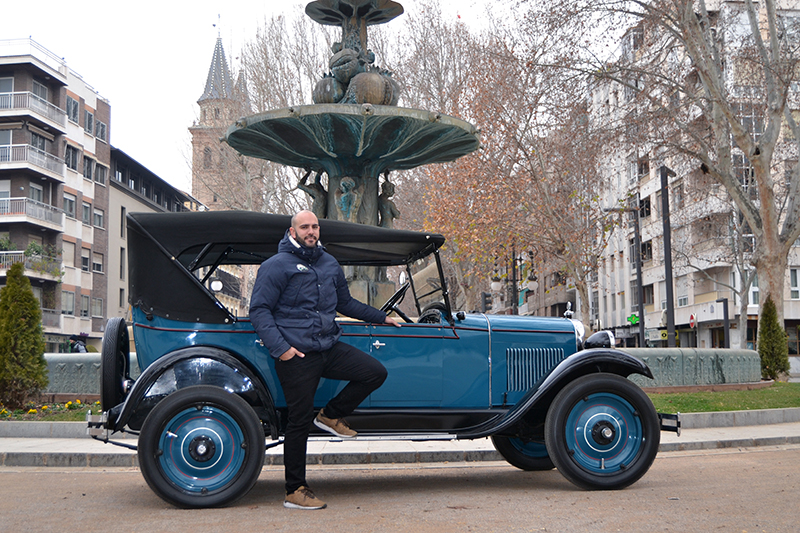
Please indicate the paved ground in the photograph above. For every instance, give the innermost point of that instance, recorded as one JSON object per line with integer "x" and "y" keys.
{"x": 64, "y": 444}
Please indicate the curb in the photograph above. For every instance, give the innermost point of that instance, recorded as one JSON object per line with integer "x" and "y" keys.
{"x": 757, "y": 417}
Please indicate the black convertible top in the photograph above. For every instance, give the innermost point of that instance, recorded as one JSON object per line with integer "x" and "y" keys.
{"x": 165, "y": 248}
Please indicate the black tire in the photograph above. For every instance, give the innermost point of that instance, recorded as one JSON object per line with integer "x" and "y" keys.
{"x": 602, "y": 432}
{"x": 525, "y": 455}
{"x": 201, "y": 447}
{"x": 114, "y": 363}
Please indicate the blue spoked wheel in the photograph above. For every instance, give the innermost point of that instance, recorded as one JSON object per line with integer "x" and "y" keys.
{"x": 522, "y": 453}
{"x": 602, "y": 432}
{"x": 201, "y": 447}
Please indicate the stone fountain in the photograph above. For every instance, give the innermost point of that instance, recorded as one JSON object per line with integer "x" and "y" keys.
{"x": 354, "y": 132}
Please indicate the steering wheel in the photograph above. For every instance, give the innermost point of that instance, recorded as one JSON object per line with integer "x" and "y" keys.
{"x": 396, "y": 298}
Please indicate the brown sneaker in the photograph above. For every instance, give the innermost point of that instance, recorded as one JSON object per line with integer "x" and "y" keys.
{"x": 303, "y": 498}
{"x": 337, "y": 426}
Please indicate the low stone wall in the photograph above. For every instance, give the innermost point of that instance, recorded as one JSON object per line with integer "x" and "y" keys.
{"x": 679, "y": 367}
{"x": 77, "y": 374}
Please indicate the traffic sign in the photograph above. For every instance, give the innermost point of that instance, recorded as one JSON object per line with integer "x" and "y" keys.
{"x": 692, "y": 320}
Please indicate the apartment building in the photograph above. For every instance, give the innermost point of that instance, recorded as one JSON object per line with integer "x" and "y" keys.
{"x": 54, "y": 167}
{"x": 64, "y": 193}
{"x": 710, "y": 244}
{"x": 133, "y": 189}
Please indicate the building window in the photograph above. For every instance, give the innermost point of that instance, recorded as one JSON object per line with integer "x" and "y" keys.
{"x": 99, "y": 218}
{"x": 73, "y": 109}
{"x": 746, "y": 175}
{"x": 754, "y": 292}
{"x": 677, "y": 196}
{"x": 683, "y": 301}
{"x": 643, "y": 168}
{"x": 97, "y": 307}
{"x": 207, "y": 162}
{"x": 647, "y": 251}
{"x": 71, "y": 157}
{"x": 88, "y": 122}
{"x": 649, "y": 294}
{"x": 39, "y": 142}
{"x": 101, "y": 131}
{"x": 122, "y": 222}
{"x": 69, "y": 204}
{"x": 119, "y": 173}
{"x": 122, "y": 303}
{"x": 84, "y": 306}
{"x": 644, "y": 208}
{"x": 67, "y": 303}
{"x": 36, "y": 193}
{"x": 97, "y": 263}
{"x": 752, "y": 118}
{"x": 85, "y": 259}
{"x": 122, "y": 256}
{"x": 40, "y": 90}
{"x": 100, "y": 173}
{"x": 795, "y": 286}
{"x": 634, "y": 296}
{"x": 88, "y": 168}
{"x": 86, "y": 216}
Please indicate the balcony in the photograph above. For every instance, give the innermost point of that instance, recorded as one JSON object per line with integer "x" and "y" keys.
{"x": 51, "y": 318}
{"x": 27, "y": 103}
{"x": 31, "y": 211}
{"x": 15, "y": 156}
{"x": 36, "y": 266}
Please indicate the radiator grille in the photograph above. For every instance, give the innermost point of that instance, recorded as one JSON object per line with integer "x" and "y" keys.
{"x": 527, "y": 365}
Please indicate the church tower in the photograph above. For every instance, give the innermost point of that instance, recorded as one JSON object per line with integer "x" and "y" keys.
{"x": 221, "y": 103}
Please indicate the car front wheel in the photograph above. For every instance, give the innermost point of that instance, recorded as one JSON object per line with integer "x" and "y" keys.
{"x": 602, "y": 432}
{"x": 201, "y": 447}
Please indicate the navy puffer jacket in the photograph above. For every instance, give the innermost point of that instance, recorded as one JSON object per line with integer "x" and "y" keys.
{"x": 296, "y": 297}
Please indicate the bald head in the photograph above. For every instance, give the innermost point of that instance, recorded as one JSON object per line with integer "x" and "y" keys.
{"x": 305, "y": 228}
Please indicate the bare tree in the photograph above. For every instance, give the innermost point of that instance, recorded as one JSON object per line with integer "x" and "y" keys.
{"x": 712, "y": 87}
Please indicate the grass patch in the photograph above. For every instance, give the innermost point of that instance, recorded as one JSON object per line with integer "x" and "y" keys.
{"x": 54, "y": 412}
{"x": 779, "y": 395}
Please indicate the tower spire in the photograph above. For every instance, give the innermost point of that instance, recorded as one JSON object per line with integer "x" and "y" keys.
{"x": 218, "y": 84}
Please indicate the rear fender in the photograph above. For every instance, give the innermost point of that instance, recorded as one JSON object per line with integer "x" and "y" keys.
{"x": 195, "y": 365}
{"x": 533, "y": 406}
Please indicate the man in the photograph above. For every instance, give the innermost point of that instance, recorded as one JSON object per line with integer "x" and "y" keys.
{"x": 296, "y": 297}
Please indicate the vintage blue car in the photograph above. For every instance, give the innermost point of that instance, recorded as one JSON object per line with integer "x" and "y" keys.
{"x": 208, "y": 400}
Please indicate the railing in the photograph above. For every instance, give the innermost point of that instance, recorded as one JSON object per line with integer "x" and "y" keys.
{"x": 32, "y": 102}
{"x": 43, "y": 264}
{"x": 31, "y": 208}
{"x": 25, "y": 153}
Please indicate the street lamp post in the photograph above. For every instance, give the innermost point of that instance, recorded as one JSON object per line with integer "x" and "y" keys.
{"x": 666, "y": 173}
{"x": 637, "y": 257}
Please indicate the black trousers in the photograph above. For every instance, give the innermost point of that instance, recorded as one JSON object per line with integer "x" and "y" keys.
{"x": 299, "y": 377}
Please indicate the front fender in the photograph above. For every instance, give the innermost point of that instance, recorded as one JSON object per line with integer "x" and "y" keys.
{"x": 576, "y": 365}
{"x": 195, "y": 365}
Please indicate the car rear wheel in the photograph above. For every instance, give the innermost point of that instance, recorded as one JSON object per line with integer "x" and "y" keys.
{"x": 201, "y": 447}
{"x": 602, "y": 432}
{"x": 526, "y": 455}
{"x": 114, "y": 363}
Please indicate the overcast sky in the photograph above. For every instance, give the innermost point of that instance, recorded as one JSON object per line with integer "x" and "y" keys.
{"x": 150, "y": 60}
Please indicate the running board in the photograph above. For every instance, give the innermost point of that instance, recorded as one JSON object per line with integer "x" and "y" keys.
{"x": 378, "y": 437}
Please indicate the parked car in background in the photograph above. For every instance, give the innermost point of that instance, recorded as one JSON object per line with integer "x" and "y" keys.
{"x": 208, "y": 400}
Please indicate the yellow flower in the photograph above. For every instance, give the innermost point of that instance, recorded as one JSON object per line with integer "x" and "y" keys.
{"x": 32, "y": 412}
{"x": 44, "y": 408}
{"x": 78, "y": 402}
{"x": 69, "y": 403}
